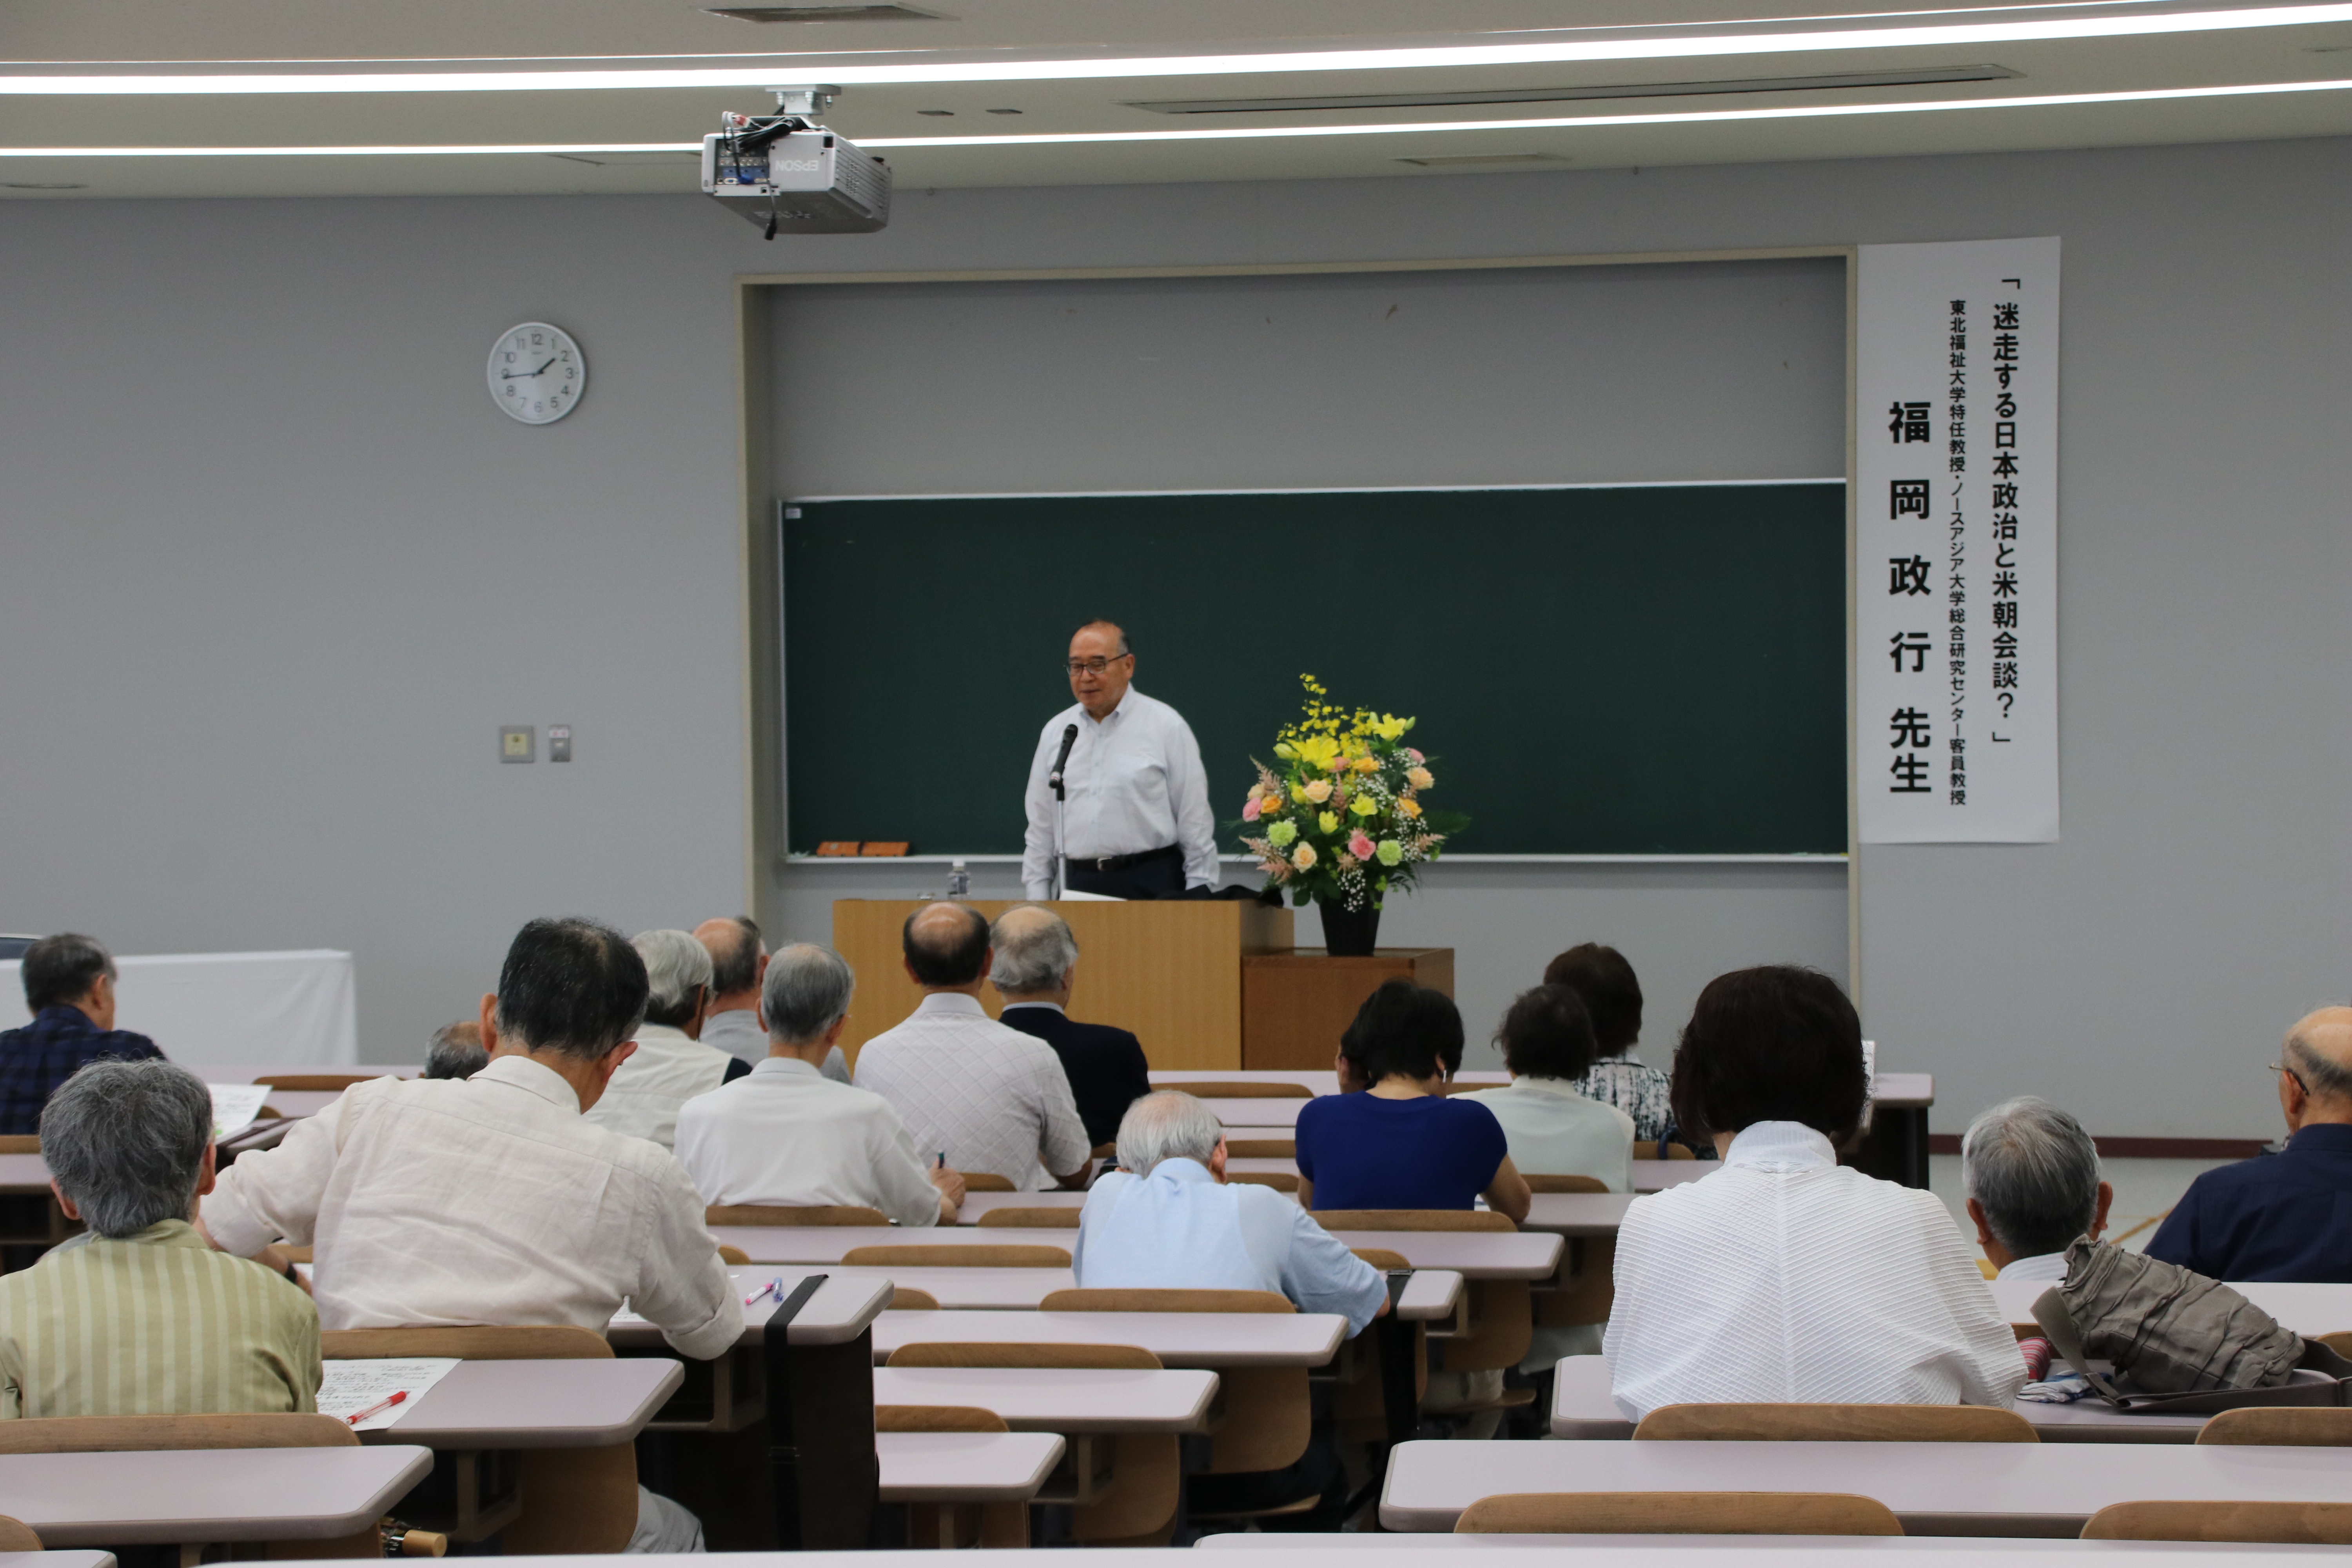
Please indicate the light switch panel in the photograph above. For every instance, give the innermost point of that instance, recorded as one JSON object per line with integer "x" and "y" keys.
{"x": 518, "y": 743}
{"x": 559, "y": 742}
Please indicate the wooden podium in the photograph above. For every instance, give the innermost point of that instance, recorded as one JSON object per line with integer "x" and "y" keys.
{"x": 1295, "y": 1004}
{"x": 1169, "y": 970}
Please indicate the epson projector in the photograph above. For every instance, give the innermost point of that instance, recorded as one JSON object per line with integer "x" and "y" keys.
{"x": 789, "y": 176}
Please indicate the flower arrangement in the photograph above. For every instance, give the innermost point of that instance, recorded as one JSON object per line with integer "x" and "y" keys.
{"x": 1340, "y": 821}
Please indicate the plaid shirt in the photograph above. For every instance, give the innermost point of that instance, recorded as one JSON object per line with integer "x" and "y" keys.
{"x": 36, "y": 1059}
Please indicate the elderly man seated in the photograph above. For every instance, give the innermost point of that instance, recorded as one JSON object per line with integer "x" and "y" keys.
{"x": 2287, "y": 1216}
{"x": 138, "y": 1316}
{"x": 2032, "y": 1179}
{"x": 69, "y": 983}
{"x": 788, "y": 1135}
{"x": 456, "y": 1051}
{"x": 731, "y": 1019}
{"x": 1037, "y": 963}
{"x": 671, "y": 1065}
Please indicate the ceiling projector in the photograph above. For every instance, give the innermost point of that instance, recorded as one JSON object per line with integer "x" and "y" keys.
{"x": 791, "y": 175}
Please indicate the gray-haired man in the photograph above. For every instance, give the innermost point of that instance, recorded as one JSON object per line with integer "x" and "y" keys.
{"x": 671, "y": 1065}
{"x": 142, "y": 1317}
{"x": 732, "y": 1020}
{"x": 1034, "y": 967}
{"x": 2032, "y": 1179}
{"x": 788, "y": 1136}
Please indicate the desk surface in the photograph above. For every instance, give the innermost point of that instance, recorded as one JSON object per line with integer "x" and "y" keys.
{"x": 820, "y": 1244}
{"x": 838, "y": 1312}
{"x": 1178, "y": 1338}
{"x": 1577, "y": 1214}
{"x": 1473, "y": 1253}
{"x": 978, "y": 1203}
{"x": 537, "y": 1404}
{"x": 78, "y": 1559}
{"x": 943, "y": 1466}
{"x": 974, "y": 1289}
{"x": 1896, "y": 1090}
{"x": 206, "y": 1494}
{"x": 2310, "y": 1309}
{"x": 1936, "y": 1489}
{"x": 1238, "y": 1114}
{"x": 1767, "y": 1550}
{"x": 22, "y": 1173}
{"x": 1068, "y": 1400}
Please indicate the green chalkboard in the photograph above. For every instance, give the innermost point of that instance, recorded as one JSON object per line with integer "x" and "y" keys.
{"x": 1623, "y": 670}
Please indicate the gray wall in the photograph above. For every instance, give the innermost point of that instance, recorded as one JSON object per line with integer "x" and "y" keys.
{"x": 264, "y": 603}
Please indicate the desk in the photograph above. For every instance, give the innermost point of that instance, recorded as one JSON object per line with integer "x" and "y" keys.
{"x": 1430, "y": 1296}
{"x": 56, "y": 1560}
{"x": 1657, "y": 1175}
{"x": 978, "y": 1203}
{"x": 1473, "y": 1253}
{"x": 1212, "y": 1340}
{"x": 206, "y": 1495}
{"x": 936, "y": 1467}
{"x": 2308, "y": 1310}
{"x": 972, "y": 1289}
{"x": 813, "y": 1245}
{"x": 22, "y": 1176}
{"x": 1896, "y": 1148}
{"x": 1576, "y": 1213}
{"x": 536, "y": 1405}
{"x": 1072, "y": 1401}
{"x": 1238, "y": 1114}
{"x": 1305, "y": 1549}
{"x": 1936, "y": 1489}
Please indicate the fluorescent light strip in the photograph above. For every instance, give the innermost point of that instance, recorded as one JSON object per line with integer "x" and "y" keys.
{"x": 1551, "y": 52}
{"x": 1235, "y": 133}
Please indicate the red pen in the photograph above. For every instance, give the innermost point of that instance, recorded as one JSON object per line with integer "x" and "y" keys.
{"x": 378, "y": 1408}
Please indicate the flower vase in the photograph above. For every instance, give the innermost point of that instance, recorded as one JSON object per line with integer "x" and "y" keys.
{"x": 1349, "y": 934}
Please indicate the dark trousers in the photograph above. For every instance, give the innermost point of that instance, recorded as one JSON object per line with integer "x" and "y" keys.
{"x": 1160, "y": 879}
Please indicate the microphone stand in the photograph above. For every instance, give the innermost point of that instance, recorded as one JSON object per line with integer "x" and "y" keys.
{"x": 1061, "y": 854}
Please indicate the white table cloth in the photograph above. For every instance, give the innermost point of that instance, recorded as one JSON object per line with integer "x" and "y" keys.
{"x": 272, "y": 1010}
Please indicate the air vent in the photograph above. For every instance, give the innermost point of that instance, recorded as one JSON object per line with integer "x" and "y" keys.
{"x": 1482, "y": 160}
{"x": 827, "y": 13}
{"x": 1930, "y": 77}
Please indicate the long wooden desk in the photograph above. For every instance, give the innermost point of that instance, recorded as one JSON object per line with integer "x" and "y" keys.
{"x": 978, "y": 1203}
{"x": 2308, "y": 1310}
{"x": 1935, "y": 1489}
{"x": 1307, "y": 1550}
{"x": 1069, "y": 1400}
{"x": 1210, "y": 1339}
{"x": 76, "y": 1559}
{"x": 810, "y": 1247}
{"x": 930, "y": 1466}
{"x": 536, "y": 1405}
{"x": 1430, "y": 1295}
{"x": 841, "y": 1310}
{"x": 1649, "y": 1175}
{"x": 1577, "y": 1214}
{"x": 205, "y": 1496}
{"x": 1473, "y": 1253}
{"x": 22, "y": 1176}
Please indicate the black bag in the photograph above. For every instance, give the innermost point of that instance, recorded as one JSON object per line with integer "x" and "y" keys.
{"x": 2180, "y": 1344}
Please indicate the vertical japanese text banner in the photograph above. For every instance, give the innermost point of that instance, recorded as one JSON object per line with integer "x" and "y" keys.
{"x": 1956, "y": 615}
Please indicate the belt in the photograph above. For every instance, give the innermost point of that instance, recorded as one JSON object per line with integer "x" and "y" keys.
{"x": 1122, "y": 862}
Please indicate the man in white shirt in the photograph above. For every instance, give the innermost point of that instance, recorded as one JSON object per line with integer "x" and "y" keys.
{"x": 731, "y": 1019}
{"x": 786, "y": 1136}
{"x": 1134, "y": 822}
{"x": 974, "y": 1094}
{"x": 670, "y": 1065}
{"x": 2032, "y": 1179}
{"x": 491, "y": 1199}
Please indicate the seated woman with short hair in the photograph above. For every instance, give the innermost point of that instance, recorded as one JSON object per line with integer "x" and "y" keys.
{"x": 1547, "y": 1043}
{"x": 1399, "y": 1143}
{"x": 1784, "y": 1276}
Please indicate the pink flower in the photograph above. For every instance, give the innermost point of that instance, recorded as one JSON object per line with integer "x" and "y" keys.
{"x": 1417, "y": 758}
{"x": 1360, "y": 846}
{"x": 1250, "y": 812}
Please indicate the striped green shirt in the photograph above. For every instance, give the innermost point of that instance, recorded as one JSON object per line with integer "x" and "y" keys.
{"x": 155, "y": 1323}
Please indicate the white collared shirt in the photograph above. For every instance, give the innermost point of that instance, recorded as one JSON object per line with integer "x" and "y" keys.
{"x": 1134, "y": 784}
{"x": 664, "y": 1071}
{"x": 786, "y": 1135}
{"x": 1553, "y": 1131}
{"x": 482, "y": 1200}
{"x": 738, "y": 1032}
{"x": 1785, "y": 1278}
{"x": 2050, "y": 1266}
{"x": 986, "y": 1095}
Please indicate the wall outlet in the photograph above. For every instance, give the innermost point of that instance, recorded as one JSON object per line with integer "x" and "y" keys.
{"x": 518, "y": 743}
{"x": 559, "y": 742}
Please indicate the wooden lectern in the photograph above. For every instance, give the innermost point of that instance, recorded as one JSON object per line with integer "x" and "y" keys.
{"x": 1296, "y": 1005}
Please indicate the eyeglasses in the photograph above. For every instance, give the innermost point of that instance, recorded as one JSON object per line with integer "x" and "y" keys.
{"x": 2281, "y": 1067}
{"x": 1093, "y": 666}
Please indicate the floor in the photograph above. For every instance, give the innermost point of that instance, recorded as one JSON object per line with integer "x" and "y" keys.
{"x": 2144, "y": 1190}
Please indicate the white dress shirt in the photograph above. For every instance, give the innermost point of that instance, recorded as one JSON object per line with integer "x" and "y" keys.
{"x": 1553, "y": 1131}
{"x": 737, "y": 1031}
{"x": 1785, "y": 1278}
{"x": 482, "y": 1200}
{"x": 664, "y": 1071}
{"x": 1177, "y": 1228}
{"x": 1134, "y": 784}
{"x": 2050, "y": 1266}
{"x": 785, "y": 1135}
{"x": 987, "y": 1096}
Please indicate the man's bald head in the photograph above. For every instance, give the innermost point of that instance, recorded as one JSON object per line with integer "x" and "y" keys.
{"x": 737, "y": 959}
{"x": 1034, "y": 953}
{"x": 2319, "y": 1050}
{"x": 946, "y": 945}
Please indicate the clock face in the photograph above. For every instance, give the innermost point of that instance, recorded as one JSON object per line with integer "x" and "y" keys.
{"x": 537, "y": 373}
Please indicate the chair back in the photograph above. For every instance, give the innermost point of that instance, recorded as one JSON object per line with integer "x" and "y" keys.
{"x": 315, "y": 1082}
{"x": 1382, "y": 1259}
{"x": 1834, "y": 1423}
{"x": 20, "y": 1144}
{"x": 1240, "y": 1089}
{"x": 809, "y": 1213}
{"x": 987, "y": 1182}
{"x": 944, "y": 1352}
{"x": 1166, "y": 1301}
{"x": 140, "y": 1434}
{"x": 2340, "y": 1342}
{"x": 1266, "y": 1413}
{"x": 1649, "y": 1149}
{"x": 907, "y": 1298}
{"x": 2298, "y": 1523}
{"x": 1677, "y": 1513}
{"x": 2281, "y": 1426}
{"x": 1412, "y": 1219}
{"x": 1033, "y": 1219}
{"x": 1541, "y": 1183}
{"x": 733, "y": 1256}
{"x": 480, "y": 1342}
{"x": 947, "y": 1256}
{"x": 15, "y": 1535}
{"x": 1280, "y": 1180}
{"x": 937, "y": 1419}
{"x": 1262, "y": 1148}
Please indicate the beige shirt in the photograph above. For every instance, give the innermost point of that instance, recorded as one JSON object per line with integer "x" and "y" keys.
{"x": 154, "y": 1324}
{"x": 482, "y": 1200}
{"x": 1553, "y": 1131}
{"x": 664, "y": 1072}
{"x": 987, "y": 1096}
{"x": 785, "y": 1135}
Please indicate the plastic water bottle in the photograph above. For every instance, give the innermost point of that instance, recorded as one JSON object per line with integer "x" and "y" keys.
{"x": 958, "y": 880}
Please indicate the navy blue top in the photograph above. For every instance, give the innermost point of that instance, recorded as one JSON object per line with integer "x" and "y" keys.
{"x": 36, "y": 1059}
{"x": 2275, "y": 1217}
{"x": 1365, "y": 1153}
{"x": 1104, "y": 1064}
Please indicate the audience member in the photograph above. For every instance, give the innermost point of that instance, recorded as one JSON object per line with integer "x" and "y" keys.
{"x": 1401, "y": 1144}
{"x": 1821, "y": 1285}
{"x": 973, "y": 1093}
{"x": 1612, "y": 995}
{"x": 731, "y": 1019}
{"x": 492, "y": 1199}
{"x": 138, "y": 1316}
{"x": 456, "y": 1051}
{"x": 2287, "y": 1216}
{"x": 786, "y": 1135}
{"x": 2032, "y": 1180}
{"x": 69, "y": 990}
{"x": 1036, "y": 964}
{"x": 1553, "y": 1131}
{"x": 670, "y": 1065}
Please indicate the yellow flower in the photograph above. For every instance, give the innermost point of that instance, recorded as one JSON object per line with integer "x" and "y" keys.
{"x": 1319, "y": 791}
{"x": 1410, "y": 808}
{"x": 1391, "y": 727}
{"x": 1283, "y": 749}
{"x": 1272, "y": 802}
{"x": 1364, "y": 805}
{"x": 1368, "y": 764}
{"x": 1303, "y": 857}
{"x": 1419, "y": 778}
{"x": 1298, "y": 794}
{"x": 1329, "y": 822}
{"x": 1316, "y": 750}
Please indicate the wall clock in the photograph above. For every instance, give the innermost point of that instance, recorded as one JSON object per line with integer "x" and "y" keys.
{"x": 537, "y": 373}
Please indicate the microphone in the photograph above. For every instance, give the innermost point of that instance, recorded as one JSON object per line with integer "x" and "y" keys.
{"x": 1070, "y": 739}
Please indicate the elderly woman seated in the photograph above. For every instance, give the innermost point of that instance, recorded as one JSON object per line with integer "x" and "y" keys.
{"x": 1785, "y": 1276}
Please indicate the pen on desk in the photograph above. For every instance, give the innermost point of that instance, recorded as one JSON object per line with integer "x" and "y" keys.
{"x": 378, "y": 1408}
{"x": 775, "y": 1285}
{"x": 943, "y": 1159}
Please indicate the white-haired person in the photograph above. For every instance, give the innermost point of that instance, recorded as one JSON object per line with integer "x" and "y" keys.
{"x": 2032, "y": 1179}
{"x": 671, "y": 1065}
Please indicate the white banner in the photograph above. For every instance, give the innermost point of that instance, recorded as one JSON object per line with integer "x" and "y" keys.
{"x": 1956, "y": 619}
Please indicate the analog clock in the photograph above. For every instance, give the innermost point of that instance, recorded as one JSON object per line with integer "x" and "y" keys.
{"x": 537, "y": 373}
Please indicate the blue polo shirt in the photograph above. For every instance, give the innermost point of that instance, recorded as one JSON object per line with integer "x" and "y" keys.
{"x": 1365, "y": 1153}
{"x": 2275, "y": 1217}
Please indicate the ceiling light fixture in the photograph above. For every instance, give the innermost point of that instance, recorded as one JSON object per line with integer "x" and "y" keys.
{"x": 825, "y": 14}
{"x": 1548, "y": 51}
{"x": 1933, "y": 76}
